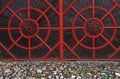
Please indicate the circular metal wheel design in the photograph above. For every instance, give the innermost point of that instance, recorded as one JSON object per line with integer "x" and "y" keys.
{"x": 93, "y": 28}
{"x": 28, "y": 28}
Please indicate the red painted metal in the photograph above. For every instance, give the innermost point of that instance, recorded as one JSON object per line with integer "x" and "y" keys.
{"x": 29, "y": 28}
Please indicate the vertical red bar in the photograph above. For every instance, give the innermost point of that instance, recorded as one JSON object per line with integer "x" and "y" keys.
{"x": 61, "y": 27}
{"x": 93, "y": 54}
{"x": 93, "y": 9}
{"x": 29, "y": 46}
{"x": 28, "y": 9}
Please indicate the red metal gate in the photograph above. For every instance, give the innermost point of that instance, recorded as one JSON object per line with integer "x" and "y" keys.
{"x": 59, "y": 29}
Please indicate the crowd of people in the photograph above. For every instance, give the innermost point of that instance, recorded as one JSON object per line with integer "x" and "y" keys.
{"x": 59, "y": 70}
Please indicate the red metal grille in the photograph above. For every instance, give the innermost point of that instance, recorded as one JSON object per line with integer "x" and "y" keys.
{"x": 59, "y": 29}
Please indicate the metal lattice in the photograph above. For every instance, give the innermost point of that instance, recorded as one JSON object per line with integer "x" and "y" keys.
{"x": 60, "y": 29}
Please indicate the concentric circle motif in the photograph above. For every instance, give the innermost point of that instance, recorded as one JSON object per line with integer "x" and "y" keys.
{"x": 93, "y": 28}
{"x": 28, "y": 28}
